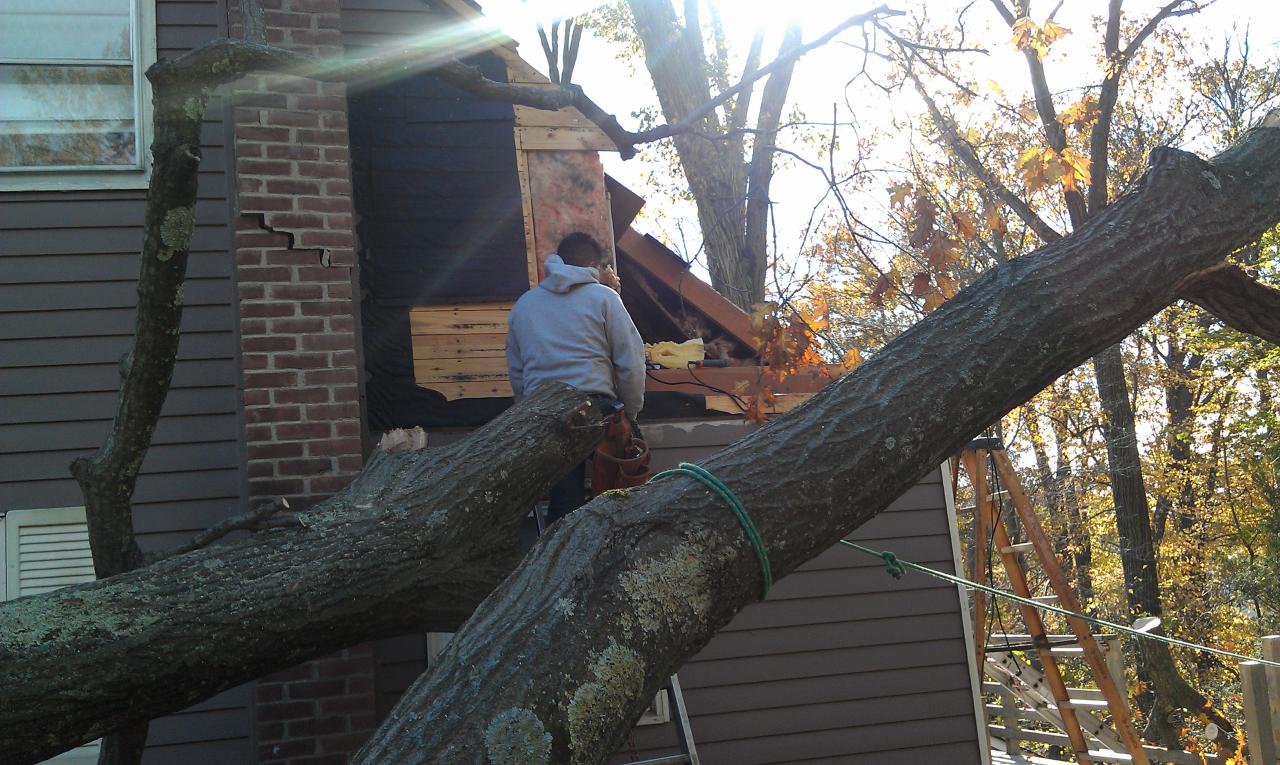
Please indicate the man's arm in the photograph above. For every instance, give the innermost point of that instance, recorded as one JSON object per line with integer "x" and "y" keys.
{"x": 626, "y": 350}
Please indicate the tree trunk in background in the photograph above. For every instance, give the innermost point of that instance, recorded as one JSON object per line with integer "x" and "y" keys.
{"x": 1137, "y": 553}
{"x": 1081, "y": 543}
{"x": 730, "y": 193}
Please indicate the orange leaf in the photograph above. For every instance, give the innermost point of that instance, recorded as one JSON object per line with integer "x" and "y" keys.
{"x": 920, "y": 284}
{"x": 933, "y": 300}
{"x": 965, "y": 225}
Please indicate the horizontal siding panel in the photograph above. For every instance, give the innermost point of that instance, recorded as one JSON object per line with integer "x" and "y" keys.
{"x": 832, "y": 636}
{"x": 165, "y": 487}
{"x": 846, "y": 608}
{"x": 51, "y": 269}
{"x": 882, "y": 740}
{"x": 108, "y": 322}
{"x": 106, "y": 377}
{"x": 94, "y": 240}
{"x": 191, "y": 429}
{"x": 175, "y": 458}
{"x": 874, "y": 658}
{"x": 70, "y": 407}
{"x": 194, "y": 515}
{"x": 855, "y": 714}
{"x": 834, "y": 687}
{"x": 114, "y": 294}
{"x": 106, "y": 213}
{"x": 65, "y": 351}
{"x": 68, "y": 263}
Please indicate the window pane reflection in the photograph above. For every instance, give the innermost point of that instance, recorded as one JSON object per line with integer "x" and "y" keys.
{"x": 84, "y": 30}
{"x": 54, "y": 116}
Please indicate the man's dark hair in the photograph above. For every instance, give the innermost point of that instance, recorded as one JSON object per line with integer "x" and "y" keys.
{"x": 579, "y": 249}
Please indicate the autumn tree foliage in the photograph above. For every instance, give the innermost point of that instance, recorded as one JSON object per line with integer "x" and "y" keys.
{"x": 999, "y": 166}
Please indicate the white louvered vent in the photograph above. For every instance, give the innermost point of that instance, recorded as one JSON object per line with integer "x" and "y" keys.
{"x": 52, "y": 556}
{"x": 42, "y": 551}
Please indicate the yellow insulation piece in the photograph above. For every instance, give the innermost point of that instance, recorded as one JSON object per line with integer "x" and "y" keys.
{"x": 671, "y": 355}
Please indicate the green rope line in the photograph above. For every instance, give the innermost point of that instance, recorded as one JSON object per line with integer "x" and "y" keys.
{"x": 735, "y": 504}
{"x": 893, "y": 562}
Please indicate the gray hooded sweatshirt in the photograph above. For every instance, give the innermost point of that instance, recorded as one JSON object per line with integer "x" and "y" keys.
{"x": 573, "y": 329}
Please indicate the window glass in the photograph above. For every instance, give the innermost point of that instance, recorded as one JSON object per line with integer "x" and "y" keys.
{"x": 68, "y": 85}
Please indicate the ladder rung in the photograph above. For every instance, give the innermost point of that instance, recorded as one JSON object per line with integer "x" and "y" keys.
{"x": 673, "y": 759}
{"x": 1021, "y": 547}
{"x": 997, "y": 494}
{"x": 1065, "y": 649}
{"x": 966, "y": 509}
{"x": 1083, "y": 704}
{"x": 1046, "y": 598}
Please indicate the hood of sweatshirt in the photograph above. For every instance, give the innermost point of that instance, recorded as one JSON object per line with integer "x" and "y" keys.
{"x": 560, "y": 277}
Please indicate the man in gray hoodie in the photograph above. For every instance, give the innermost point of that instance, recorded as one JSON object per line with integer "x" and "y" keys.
{"x": 573, "y": 329}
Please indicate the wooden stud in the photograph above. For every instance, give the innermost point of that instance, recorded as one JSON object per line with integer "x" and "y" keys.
{"x": 562, "y": 138}
{"x": 526, "y": 208}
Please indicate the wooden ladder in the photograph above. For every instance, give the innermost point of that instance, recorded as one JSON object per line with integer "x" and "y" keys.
{"x": 989, "y": 524}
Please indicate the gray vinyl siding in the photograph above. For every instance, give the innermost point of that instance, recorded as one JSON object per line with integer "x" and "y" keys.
{"x": 68, "y": 271}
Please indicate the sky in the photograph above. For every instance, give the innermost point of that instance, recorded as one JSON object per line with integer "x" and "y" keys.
{"x": 820, "y": 82}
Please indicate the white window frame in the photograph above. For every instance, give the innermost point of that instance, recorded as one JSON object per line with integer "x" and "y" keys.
{"x": 85, "y": 754}
{"x": 87, "y": 178}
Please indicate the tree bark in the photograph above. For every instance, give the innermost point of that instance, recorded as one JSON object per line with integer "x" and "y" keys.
{"x": 557, "y": 664}
{"x": 414, "y": 543}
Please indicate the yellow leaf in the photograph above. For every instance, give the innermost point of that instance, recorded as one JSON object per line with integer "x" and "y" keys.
{"x": 898, "y": 194}
{"x": 1053, "y": 31}
{"x": 933, "y": 300}
{"x": 852, "y": 358}
{"x": 995, "y": 87}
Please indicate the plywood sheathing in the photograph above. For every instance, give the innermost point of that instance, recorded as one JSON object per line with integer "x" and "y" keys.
{"x": 566, "y": 194}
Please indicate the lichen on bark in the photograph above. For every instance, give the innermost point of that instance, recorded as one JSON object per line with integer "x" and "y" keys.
{"x": 616, "y": 677}
{"x": 517, "y": 737}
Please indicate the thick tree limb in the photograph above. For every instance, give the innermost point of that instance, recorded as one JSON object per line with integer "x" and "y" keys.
{"x": 1237, "y": 299}
{"x": 416, "y": 541}
{"x": 557, "y": 664}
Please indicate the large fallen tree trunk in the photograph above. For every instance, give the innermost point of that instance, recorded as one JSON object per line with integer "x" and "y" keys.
{"x": 561, "y": 658}
{"x": 560, "y": 661}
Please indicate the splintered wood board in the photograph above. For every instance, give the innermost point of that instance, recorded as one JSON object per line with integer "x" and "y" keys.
{"x": 460, "y": 350}
{"x": 480, "y": 319}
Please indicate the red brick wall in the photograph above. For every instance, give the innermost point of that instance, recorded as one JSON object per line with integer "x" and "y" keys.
{"x": 318, "y": 713}
{"x": 295, "y": 256}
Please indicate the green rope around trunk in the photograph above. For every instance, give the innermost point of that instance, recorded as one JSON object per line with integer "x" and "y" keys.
{"x": 735, "y": 504}
{"x": 895, "y": 566}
